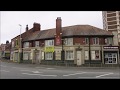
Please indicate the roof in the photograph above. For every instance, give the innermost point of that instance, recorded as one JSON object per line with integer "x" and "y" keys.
{"x": 79, "y": 30}
{"x": 84, "y": 30}
{"x": 31, "y": 36}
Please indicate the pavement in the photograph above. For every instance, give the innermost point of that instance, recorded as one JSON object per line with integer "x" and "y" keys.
{"x": 92, "y": 67}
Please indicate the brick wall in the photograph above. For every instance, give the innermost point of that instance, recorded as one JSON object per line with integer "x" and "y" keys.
{"x": 81, "y": 40}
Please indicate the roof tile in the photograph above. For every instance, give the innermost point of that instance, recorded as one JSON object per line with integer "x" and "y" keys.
{"x": 68, "y": 31}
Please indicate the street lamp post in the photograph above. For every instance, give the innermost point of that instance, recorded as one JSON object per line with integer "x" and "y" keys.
{"x": 20, "y": 51}
{"x": 101, "y": 49}
{"x": 62, "y": 52}
{"x": 89, "y": 52}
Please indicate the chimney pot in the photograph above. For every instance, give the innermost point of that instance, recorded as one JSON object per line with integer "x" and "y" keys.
{"x": 58, "y": 17}
{"x": 26, "y": 28}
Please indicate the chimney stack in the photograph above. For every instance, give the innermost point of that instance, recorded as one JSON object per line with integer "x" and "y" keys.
{"x": 36, "y": 27}
{"x": 7, "y": 42}
{"x": 26, "y": 28}
{"x": 58, "y": 25}
{"x": 58, "y": 35}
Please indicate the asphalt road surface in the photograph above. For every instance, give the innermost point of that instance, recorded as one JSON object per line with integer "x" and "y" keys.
{"x": 33, "y": 71}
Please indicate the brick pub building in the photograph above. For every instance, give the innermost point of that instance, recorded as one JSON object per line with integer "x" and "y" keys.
{"x": 77, "y": 44}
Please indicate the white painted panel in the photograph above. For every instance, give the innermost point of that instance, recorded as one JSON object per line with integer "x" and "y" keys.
{"x": 78, "y": 57}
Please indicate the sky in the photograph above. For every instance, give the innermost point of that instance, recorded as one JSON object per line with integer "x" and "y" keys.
{"x": 10, "y": 20}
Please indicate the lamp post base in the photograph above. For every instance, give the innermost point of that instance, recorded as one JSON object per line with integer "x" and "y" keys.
{"x": 62, "y": 55}
{"x": 20, "y": 57}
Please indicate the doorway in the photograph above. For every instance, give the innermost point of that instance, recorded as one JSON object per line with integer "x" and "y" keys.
{"x": 16, "y": 57}
{"x": 79, "y": 62}
{"x": 37, "y": 58}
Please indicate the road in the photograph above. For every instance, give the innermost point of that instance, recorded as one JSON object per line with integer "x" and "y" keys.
{"x": 33, "y": 71}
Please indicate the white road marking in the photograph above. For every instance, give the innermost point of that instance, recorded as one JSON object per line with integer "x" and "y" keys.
{"x": 25, "y": 70}
{"x": 74, "y": 74}
{"x": 50, "y": 68}
{"x": 110, "y": 77}
{"x": 36, "y": 72}
{"x": 101, "y": 77}
{"x": 19, "y": 68}
{"x": 14, "y": 67}
{"x": 3, "y": 66}
{"x": 49, "y": 75}
{"x": 39, "y": 67}
{"x": 45, "y": 67}
{"x": 32, "y": 71}
{"x": 86, "y": 77}
{"x": 4, "y": 71}
{"x": 104, "y": 75}
{"x": 39, "y": 74}
{"x": 99, "y": 72}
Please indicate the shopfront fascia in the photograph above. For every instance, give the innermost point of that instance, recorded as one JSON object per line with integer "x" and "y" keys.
{"x": 111, "y": 54}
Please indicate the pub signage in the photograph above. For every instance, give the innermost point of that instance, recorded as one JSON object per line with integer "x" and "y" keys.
{"x": 111, "y": 47}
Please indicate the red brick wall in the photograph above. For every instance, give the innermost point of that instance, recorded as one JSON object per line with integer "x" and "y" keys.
{"x": 36, "y": 26}
{"x": 42, "y": 43}
{"x": 57, "y": 40}
{"x": 58, "y": 26}
{"x": 91, "y": 41}
{"x": 78, "y": 40}
{"x": 102, "y": 41}
{"x": 58, "y": 31}
{"x": 30, "y": 44}
{"x": 81, "y": 40}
